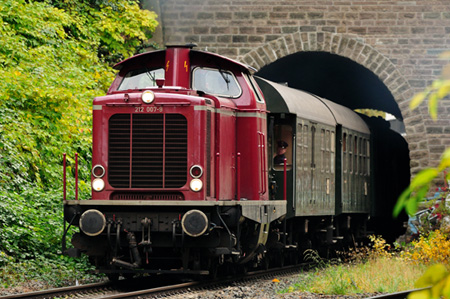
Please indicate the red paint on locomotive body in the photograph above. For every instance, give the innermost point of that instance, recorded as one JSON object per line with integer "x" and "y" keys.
{"x": 173, "y": 135}
{"x": 147, "y": 150}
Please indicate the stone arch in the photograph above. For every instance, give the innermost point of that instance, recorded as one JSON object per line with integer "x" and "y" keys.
{"x": 355, "y": 49}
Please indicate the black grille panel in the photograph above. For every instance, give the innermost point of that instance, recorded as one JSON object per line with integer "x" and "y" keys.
{"x": 119, "y": 151}
{"x": 176, "y": 150}
{"x": 147, "y": 196}
{"x": 150, "y": 147}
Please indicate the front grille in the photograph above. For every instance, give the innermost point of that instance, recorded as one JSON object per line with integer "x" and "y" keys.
{"x": 147, "y": 196}
{"x": 147, "y": 150}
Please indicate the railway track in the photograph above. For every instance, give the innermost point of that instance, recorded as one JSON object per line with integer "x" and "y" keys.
{"x": 155, "y": 288}
{"x": 94, "y": 288}
{"x": 141, "y": 289}
{"x": 397, "y": 295}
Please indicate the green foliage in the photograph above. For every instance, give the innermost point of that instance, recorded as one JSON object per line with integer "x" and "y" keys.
{"x": 372, "y": 112}
{"x": 417, "y": 190}
{"x": 437, "y": 275}
{"x": 54, "y": 59}
{"x": 438, "y": 278}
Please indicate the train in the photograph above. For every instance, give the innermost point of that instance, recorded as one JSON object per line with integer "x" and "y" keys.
{"x": 197, "y": 164}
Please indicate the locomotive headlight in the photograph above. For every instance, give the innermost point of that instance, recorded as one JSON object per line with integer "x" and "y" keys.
{"x": 196, "y": 185}
{"x": 196, "y": 171}
{"x": 98, "y": 171}
{"x": 148, "y": 96}
{"x": 98, "y": 184}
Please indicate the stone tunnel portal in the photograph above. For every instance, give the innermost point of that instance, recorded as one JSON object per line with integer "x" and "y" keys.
{"x": 350, "y": 84}
{"x": 333, "y": 77}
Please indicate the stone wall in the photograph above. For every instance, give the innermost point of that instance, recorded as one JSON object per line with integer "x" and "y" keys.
{"x": 399, "y": 41}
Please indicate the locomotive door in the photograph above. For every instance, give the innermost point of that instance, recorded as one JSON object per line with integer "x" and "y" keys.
{"x": 282, "y": 145}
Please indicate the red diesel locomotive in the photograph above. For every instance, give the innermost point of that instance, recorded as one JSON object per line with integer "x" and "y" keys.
{"x": 184, "y": 177}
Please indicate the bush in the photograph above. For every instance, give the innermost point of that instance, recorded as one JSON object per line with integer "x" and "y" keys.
{"x": 430, "y": 249}
{"x": 55, "y": 57}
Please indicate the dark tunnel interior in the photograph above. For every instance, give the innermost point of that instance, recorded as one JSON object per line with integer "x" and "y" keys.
{"x": 350, "y": 84}
{"x": 333, "y": 77}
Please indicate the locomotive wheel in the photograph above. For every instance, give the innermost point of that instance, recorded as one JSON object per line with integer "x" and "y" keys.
{"x": 213, "y": 268}
{"x": 128, "y": 275}
{"x": 243, "y": 269}
{"x": 265, "y": 264}
{"x": 294, "y": 257}
{"x": 278, "y": 258}
{"x": 113, "y": 277}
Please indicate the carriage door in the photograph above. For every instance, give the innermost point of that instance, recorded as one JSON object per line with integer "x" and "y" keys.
{"x": 308, "y": 163}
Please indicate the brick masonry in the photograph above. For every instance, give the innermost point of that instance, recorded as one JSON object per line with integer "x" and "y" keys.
{"x": 399, "y": 41}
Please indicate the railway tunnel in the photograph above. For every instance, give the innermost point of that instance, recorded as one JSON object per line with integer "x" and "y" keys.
{"x": 350, "y": 84}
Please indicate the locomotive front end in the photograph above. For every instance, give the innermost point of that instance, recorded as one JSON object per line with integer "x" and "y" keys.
{"x": 165, "y": 171}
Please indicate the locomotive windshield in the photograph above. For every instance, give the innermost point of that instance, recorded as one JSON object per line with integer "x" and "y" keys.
{"x": 217, "y": 82}
{"x": 141, "y": 78}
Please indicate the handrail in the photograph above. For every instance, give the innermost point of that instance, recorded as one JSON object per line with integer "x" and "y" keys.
{"x": 264, "y": 163}
{"x": 261, "y": 162}
{"x": 285, "y": 176}
{"x": 64, "y": 177}
{"x": 217, "y": 176}
{"x": 238, "y": 177}
{"x": 76, "y": 176}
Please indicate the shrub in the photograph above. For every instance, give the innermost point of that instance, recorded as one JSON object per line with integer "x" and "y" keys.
{"x": 430, "y": 249}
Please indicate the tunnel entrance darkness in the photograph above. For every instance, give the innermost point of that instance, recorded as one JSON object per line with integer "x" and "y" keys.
{"x": 350, "y": 84}
{"x": 333, "y": 77}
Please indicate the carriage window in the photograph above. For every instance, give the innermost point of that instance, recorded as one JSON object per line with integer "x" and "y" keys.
{"x": 216, "y": 82}
{"x": 368, "y": 156}
{"x": 306, "y": 162}
{"x": 141, "y": 78}
{"x": 350, "y": 154}
{"x": 355, "y": 155}
{"x": 299, "y": 145}
{"x": 322, "y": 150}
{"x": 327, "y": 147}
{"x": 313, "y": 147}
{"x": 344, "y": 149}
{"x": 332, "y": 140}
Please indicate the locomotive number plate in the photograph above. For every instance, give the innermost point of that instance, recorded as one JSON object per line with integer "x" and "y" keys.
{"x": 148, "y": 109}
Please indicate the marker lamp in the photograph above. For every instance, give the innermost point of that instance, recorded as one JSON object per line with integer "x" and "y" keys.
{"x": 196, "y": 185}
{"x": 98, "y": 184}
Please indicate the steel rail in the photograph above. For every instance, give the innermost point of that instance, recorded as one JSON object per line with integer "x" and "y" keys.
{"x": 397, "y": 295}
{"x": 156, "y": 291}
{"x": 202, "y": 285}
{"x": 50, "y": 293}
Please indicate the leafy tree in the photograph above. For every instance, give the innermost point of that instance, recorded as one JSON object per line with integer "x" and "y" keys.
{"x": 55, "y": 57}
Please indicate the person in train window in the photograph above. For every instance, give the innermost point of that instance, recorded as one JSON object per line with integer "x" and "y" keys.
{"x": 281, "y": 151}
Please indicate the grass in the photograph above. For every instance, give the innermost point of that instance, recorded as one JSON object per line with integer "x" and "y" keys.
{"x": 378, "y": 275}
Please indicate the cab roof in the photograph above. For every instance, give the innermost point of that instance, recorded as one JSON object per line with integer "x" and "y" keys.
{"x": 197, "y": 54}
